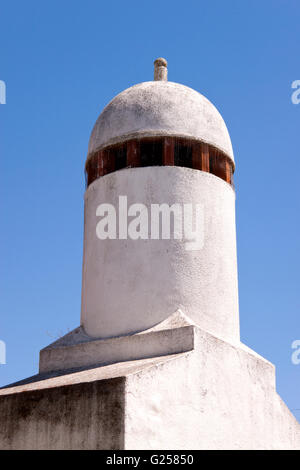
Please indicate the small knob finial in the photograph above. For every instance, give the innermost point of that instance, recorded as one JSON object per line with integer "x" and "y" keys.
{"x": 160, "y": 69}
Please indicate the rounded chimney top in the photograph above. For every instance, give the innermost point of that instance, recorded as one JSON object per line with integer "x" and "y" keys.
{"x": 160, "y": 109}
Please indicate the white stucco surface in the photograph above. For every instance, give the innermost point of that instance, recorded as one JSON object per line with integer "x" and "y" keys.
{"x": 77, "y": 349}
{"x": 217, "y": 396}
{"x": 160, "y": 108}
{"x": 132, "y": 285}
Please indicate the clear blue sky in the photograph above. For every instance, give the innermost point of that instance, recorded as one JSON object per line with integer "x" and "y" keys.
{"x": 62, "y": 61}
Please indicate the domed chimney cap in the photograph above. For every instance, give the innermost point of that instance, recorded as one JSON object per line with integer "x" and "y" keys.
{"x": 160, "y": 109}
